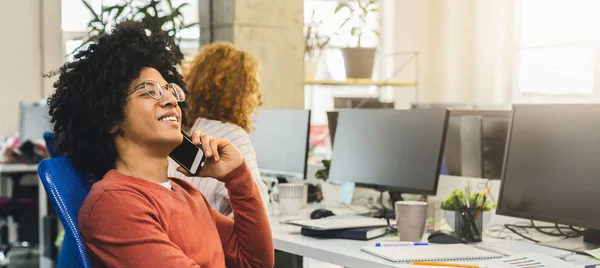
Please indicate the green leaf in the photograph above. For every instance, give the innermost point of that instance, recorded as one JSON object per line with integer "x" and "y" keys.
{"x": 376, "y": 32}
{"x": 89, "y": 7}
{"x": 353, "y": 31}
{"x": 340, "y": 7}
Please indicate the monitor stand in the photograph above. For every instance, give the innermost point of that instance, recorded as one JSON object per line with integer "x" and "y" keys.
{"x": 590, "y": 240}
{"x": 281, "y": 179}
{"x": 395, "y": 196}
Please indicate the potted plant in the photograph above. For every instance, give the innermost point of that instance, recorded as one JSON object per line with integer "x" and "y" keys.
{"x": 358, "y": 60}
{"x": 323, "y": 174}
{"x": 449, "y": 207}
{"x": 153, "y": 14}
{"x": 314, "y": 43}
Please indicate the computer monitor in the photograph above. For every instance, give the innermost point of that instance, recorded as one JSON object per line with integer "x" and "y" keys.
{"x": 394, "y": 150}
{"x": 552, "y": 164}
{"x": 361, "y": 103}
{"x": 475, "y": 143}
{"x": 280, "y": 140}
{"x": 34, "y": 121}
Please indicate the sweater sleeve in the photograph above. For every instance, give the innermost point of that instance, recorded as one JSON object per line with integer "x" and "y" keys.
{"x": 247, "y": 240}
{"x": 122, "y": 229}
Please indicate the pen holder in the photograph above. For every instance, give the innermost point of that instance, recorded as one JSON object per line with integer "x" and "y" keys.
{"x": 469, "y": 223}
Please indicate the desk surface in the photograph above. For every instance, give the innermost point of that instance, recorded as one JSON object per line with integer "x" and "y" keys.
{"x": 18, "y": 168}
{"x": 343, "y": 252}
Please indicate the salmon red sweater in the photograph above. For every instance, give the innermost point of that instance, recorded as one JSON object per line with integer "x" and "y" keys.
{"x": 131, "y": 222}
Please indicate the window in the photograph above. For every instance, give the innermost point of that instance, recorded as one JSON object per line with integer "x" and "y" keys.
{"x": 555, "y": 47}
{"x": 75, "y": 17}
{"x": 320, "y": 99}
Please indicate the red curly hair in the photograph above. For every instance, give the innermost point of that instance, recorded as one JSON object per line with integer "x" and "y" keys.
{"x": 223, "y": 85}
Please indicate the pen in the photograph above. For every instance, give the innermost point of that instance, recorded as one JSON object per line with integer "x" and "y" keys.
{"x": 475, "y": 199}
{"x": 480, "y": 207}
{"x": 424, "y": 263}
{"x": 400, "y": 244}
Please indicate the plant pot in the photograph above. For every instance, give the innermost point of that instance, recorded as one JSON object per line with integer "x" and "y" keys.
{"x": 450, "y": 216}
{"x": 358, "y": 62}
{"x": 310, "y": 69}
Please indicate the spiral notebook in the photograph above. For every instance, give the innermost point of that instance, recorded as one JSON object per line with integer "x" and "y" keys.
{"x": 440, "y": 253}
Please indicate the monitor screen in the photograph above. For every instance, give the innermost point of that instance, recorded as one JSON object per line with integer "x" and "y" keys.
{"x": 399, "y": 150}
{"x": 280, "y": 139}
{"x": 35, "y": 120}
{"x": 552, "y": 164}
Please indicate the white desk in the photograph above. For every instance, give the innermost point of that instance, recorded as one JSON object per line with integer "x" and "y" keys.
{"x": 18, "y": 168}
{"x": 344, "y": 252}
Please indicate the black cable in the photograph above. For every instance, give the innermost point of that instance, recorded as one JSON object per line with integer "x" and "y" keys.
{"x": 539, "y": 229}
{"x": 510, "y": 228}
{"x": 570, "y": 235}
{"x": 577, "y": 231}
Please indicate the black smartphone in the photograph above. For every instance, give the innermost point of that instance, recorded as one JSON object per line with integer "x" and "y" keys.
{"x": 188, "y": 155}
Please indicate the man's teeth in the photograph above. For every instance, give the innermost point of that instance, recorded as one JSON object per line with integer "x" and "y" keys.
{"x": 169, "y": 118}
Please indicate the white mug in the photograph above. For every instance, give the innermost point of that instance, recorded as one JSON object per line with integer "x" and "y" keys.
{"x": 410, "y": 219}
{"x": 290, "y": 198}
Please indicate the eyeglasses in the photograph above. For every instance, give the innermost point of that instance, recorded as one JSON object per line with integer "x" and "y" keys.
{"x": 155, "y": 90}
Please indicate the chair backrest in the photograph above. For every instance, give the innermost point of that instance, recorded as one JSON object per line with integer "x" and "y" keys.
{"x": 67, "y": 188}
{"x": 49, "y": 139}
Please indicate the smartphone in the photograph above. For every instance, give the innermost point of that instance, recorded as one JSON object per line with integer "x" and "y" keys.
{"x": 188, "y": 155}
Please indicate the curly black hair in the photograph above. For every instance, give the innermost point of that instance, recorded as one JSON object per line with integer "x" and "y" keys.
{"x": 91, "y": 91}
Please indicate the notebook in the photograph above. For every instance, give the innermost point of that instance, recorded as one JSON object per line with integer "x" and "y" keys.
{"x": 439, "y": 253}
{"x": 356, "y": 234}
{"x": 333, "y": 223}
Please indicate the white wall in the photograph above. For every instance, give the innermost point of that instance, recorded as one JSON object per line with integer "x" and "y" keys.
{"x": 20, "y": 71}
{"x": 32, "y": 45}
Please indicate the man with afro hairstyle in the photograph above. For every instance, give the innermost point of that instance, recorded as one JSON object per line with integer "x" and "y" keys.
{"x": 117, "y": 112}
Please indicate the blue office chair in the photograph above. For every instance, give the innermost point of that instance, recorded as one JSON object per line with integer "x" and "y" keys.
{"x": 67, "y": 188}
{"x": 49, "y": 139}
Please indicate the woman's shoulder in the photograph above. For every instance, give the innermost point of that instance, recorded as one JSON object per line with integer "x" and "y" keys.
{"x": 220, "y": 129}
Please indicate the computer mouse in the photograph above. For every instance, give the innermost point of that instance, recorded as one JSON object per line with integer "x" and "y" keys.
{"x": 321, "y": 213}
{"x": 445, "y": 237}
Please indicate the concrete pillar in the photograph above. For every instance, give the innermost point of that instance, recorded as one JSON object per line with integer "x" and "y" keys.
{"x": 271, "y": 30}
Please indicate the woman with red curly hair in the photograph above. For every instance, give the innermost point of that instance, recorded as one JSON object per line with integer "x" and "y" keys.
{"x": 223, "y": 93}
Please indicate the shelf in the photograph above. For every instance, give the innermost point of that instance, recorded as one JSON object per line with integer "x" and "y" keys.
{"x": 359, "y": 82}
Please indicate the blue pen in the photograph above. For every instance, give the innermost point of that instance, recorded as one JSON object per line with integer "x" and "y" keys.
{"x": 400, "y": 244}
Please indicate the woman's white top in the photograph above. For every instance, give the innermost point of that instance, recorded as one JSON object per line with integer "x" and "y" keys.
{"x": 214, "y": 190}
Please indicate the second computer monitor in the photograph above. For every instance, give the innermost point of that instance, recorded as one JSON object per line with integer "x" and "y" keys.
{"x": 399, "y": 150}
{"x": 280, "y": 140}
{"x": 35, "y": 120}
{"x": 552, "y": 164}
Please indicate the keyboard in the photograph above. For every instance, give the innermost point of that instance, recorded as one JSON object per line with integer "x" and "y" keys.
{"x": 514, "y": 247}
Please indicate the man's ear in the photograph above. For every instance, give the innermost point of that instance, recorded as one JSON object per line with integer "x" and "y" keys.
{"x": 115, "y": 129}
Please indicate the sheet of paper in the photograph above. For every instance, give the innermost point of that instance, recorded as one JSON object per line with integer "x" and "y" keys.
{"x": 347, "y": 190}
{"x": 594, "y": 253}
{"x": 528, "y": 260}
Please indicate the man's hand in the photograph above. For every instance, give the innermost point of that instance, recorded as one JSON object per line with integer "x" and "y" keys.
{"x": 221, "y": 156}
